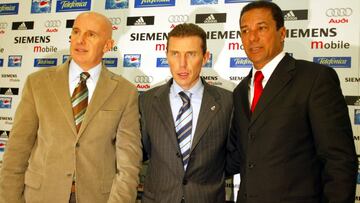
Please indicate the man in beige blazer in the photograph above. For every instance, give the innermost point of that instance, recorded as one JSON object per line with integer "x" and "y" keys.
{"x": 46, "y": 159}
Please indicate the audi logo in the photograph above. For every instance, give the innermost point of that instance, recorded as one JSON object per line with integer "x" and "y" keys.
{"x": 339, "y": 12}
{"x": 143, "y": 79}
{"x": 178, "y": 18}
{"x": 3, "y": 25}
{"x": 52, "y": 23}
{"x": 115, "y": 21}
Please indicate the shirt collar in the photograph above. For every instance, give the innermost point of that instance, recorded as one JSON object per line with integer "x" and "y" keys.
{"x": 195, "y": 91}
{"x": 75, "y": 70}
{"x": 269, "y": 68}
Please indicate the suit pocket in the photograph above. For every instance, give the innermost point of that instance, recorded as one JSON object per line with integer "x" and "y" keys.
{"x": 33, "y": 179}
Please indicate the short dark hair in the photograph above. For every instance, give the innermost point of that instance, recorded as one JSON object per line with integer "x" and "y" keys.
{"x": 276, "y": 12}
{"x": 189, "y": 30}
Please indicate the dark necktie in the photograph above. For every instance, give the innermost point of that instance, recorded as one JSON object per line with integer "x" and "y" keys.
{"x": 258, "y": 88}
{"x": 183, "y": 126}
{"x": 79, "y": 100}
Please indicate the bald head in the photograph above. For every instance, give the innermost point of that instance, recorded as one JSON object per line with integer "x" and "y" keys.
{"x": 91, "y": 37}
{"x": 98, "y": 18}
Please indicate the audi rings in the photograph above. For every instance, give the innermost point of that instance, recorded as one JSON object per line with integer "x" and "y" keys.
{"x": 52, "y": 23}
{"x": 143, "y": 79}
{"x": 178, "y": 18}
{"x": 115, "y": 20}
{"x": 339, "y": 12}
{"x": 3, "y": 25}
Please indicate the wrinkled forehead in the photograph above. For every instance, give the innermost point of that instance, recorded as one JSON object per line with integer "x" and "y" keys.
{"x": 93, "y": 21}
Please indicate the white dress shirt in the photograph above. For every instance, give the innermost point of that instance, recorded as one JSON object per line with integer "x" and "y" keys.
{"x": 195, "y": 94}
{"x": 74, "y": 77}
{"x": 267, "y": 70}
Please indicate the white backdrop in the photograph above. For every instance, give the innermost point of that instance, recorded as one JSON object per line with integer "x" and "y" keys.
{"x": 34, "y": 34}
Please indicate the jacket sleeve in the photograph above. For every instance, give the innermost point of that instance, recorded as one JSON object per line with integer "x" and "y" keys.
{"x": 128, "y": 153}
{"x": 331, "y": 126}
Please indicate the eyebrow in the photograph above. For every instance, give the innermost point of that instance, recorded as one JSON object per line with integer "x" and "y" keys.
{"x": 259, "y": 23}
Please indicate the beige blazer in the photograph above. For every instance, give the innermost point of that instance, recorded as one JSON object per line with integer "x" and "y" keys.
{"x": 44, "y": 150}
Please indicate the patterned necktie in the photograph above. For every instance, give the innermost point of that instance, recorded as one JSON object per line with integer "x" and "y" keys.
{"x": 79, "y": 99}
{"x": 183, "y": 126}
{"x": 258, "y": 88}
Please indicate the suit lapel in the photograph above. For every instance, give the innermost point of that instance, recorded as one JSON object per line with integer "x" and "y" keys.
{"x": 60, "y": 84}
{"x": 209, "y": 108}
{"x": 104, "y": 88}
{"x": 277, "y": 81}
{"x": 163, "y": 110}
{"x": 244, "y": 90}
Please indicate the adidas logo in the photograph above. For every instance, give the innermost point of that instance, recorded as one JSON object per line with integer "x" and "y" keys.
{"x": 22, "y": 26}
{"x": 290, "y": 16}
{"x": 8, "y": 92}
{"x": 4, "y": 134}
{"x": 210, "y": 19}
{"x": 357, "y": 103}
{"x": 140, "y": 21}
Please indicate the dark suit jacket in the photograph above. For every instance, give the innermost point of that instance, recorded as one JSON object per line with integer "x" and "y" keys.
{"x": 203, "y": 180}
{"x": 297, "y": 146}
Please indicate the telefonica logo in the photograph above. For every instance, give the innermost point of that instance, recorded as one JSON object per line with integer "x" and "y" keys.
{"x": 240, "y": 62}
{"x": 110, "y": 62}
{"x": 153, "y": 3}
{"x": 73, "y": 5}
{"x": 9, "y": 9}
{"x": 240, "y": 1}
{"x": 45, "y": 62}
{"x": 334, "y": 62}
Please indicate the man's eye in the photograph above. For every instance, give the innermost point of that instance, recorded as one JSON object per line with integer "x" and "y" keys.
{"x": 191, "y": 54}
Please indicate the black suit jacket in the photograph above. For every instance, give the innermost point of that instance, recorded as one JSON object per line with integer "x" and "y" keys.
{"x": 204, "y": 179}
{"x": 297, "y": 146}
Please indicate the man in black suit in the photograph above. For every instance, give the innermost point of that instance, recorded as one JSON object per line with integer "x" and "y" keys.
{"x": 291, "y": 137}
{"x": 184, "y": 126}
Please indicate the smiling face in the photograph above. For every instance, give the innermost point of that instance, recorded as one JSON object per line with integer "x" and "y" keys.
{"x": 186, "y": 58}
{"x": 90, "y": 39}
{"x": 260, "y": 38}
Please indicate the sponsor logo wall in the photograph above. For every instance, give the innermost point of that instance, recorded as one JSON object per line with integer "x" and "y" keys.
{"x": 35, "y": 34}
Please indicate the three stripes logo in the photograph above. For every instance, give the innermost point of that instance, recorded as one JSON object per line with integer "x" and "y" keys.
{"x": 140, "y": 20}
{"x": 9, "y": 91}
{"x": 291, "y": 15}
{"x": 4, "y": 134}
{"x": 25, "y": 25}
{"x": 210, "y": 18}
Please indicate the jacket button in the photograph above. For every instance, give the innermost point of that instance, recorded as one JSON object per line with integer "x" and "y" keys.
{"x": 251, "y": 165}
{"x": 77, "y": 144}
{"x": 178, "y": 154}
{"x": 184, "y": 181}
